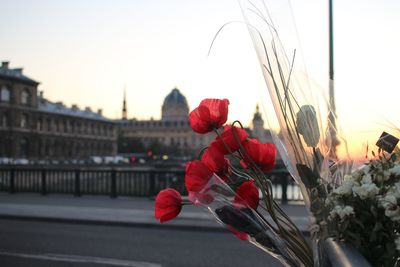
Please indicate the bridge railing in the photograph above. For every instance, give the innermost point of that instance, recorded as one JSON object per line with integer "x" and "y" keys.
{"x": 115, "y": 181}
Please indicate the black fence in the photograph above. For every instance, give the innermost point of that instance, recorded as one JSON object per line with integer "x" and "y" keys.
{"x": 116, "y": 181}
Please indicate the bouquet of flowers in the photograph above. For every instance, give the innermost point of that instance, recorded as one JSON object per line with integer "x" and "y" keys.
{"x": 358, "y": 207}
{"x": 227, "y": 179}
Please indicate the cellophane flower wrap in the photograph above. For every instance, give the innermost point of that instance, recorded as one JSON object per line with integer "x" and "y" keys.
{"x": 357, "y": 206}
{"x": 300, "y": 122}
{"x": 226, "y": 180}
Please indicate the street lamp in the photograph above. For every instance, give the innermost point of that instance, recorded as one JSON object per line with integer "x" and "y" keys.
{"x": 334, "y": 141}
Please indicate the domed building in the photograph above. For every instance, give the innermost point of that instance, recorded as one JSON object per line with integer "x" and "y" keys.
{"x": 175, "y": 107}
{"x": 172, "y": 134}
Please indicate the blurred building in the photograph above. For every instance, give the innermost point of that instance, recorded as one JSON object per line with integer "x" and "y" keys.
{"x": 34, "y": 127}
{"x": 170, "y": 134}
{"x": 173, "y": 133}
{"x": 257, "y": 130}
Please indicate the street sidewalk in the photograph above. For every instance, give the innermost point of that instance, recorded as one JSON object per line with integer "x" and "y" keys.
{"x": 123, "y": 211}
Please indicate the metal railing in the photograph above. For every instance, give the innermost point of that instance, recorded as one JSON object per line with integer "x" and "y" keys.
{"x": 115, "y": 181}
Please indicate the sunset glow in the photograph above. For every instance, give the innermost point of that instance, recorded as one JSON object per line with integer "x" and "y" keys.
{"x": 87, "y": 52}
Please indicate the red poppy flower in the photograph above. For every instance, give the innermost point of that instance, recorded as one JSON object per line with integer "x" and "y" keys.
{"x": 247, "y": 194}
{"x": 216, "y": 162}
{"x": 209, "y": 115}
{"x": 230, "y": 139}
{"x": 168, "y": 205}
{"x": 261, "y": 154}
{"x": 197, "y": 175}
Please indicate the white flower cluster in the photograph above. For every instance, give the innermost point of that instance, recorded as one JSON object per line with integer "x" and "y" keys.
{"x": 342, "y": 211}
{"x": 390, "y": 202}
{"x": 346, "y": 189}
{"x": 368, "y": 182}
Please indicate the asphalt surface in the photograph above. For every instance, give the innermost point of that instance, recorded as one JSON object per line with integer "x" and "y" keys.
{"x": 27, "y": 243}
{"x": 119, "y": 211}
{"x": 63, "y": 230}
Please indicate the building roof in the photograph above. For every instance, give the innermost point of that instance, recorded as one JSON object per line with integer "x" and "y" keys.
{"x": 257, "y": 114}
{"x": 15, "y": 74}
{"x": 175, "y": 98}
{"x": 58, "y": 108}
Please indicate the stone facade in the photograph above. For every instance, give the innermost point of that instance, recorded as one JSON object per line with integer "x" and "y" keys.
{"x": 172, "y": 131}
{"x": 36, "y": 128}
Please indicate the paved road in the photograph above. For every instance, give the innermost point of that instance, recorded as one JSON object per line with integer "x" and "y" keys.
{"x": 30, "y": 243}
{"x": 120, "y": 211}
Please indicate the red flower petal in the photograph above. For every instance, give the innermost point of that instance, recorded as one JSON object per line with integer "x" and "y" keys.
{"x": 216, "y": 162}
{"x": 230, "y": 139}
{"x": 197, "y": 120}
{"x": 261, "y": 154}
{"x": 168, "y": 205}
{"x": 247, "y": 194}
{"x": 238, "y": 234}
{"x": 197, "y": 175}
{"x": 210, "y": 114}
{"x": 218, "y": 110}
{"x": 201, "y": 198}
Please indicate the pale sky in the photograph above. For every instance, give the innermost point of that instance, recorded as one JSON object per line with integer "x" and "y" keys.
{"x": 86, "y": 52}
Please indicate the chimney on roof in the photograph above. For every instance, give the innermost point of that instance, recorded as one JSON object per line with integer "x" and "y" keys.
{"x": 41, "y": 94}
{"x": 5, "y": 64}
{"x": 100, "y": 111}
{"x": 88, "y": 109}
{"x": 60, "y": 104}
{"x": 74, "y": 107}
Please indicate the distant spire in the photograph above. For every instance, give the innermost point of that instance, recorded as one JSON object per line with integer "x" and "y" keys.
{"x": 124, "y": 111}
{"x": 257, "y": 114}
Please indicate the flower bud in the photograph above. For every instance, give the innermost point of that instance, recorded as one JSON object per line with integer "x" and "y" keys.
{"x": 307, "y": 125}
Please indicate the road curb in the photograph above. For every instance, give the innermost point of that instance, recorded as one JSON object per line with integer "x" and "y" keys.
{"x": 156, "y": 225}
{"x": 187, "y": 227}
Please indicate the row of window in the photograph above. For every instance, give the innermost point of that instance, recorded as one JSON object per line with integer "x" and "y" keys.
{"x": 197, "y": 140}
{"x": 71, "y": 126}
{"x": 5, "y": 95}
{"x": 157, "y": 123}
{"x": 58, "y": 125}
{"x": 25, "y": 148}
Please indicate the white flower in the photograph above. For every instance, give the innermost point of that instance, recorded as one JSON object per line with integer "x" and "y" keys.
{"x": 366, "y": 190}
{"x": 393, "y": 214}
{"x": 346, "y": 188}
{"x": 341, "y": 211}
{"x": 367, "y": 179}
{"x": 307, "y": 125}
{"x": 386, "y": 175}
{"x": 348, "y": 210}
{"x": 349, "y": 177}
{"x": 397, "y": 242}
{"x": 365, "y": 169}
{"x": 388, "y": 201}
{"x": 357, "y": 174}
{"x": 395, "y": 170}
{"x": 395, "y": 190}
